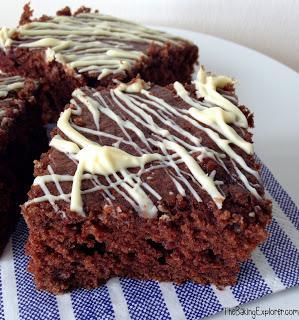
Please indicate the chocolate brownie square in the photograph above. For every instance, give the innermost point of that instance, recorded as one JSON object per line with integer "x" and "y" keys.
{"x": 147, "y": 182}
{"x": 22, "y": 139}
{"x": 88, "y": 48}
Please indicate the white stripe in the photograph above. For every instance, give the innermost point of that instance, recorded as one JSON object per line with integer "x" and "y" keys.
{"x": 65, "y": 308}
{"x": 225, "y": 296}
{"x": 285, "y": 223}
{"x": 172, "y": 301}
{"x": 266, "y": 271}
{"x": 9, "y": 287}
{"x": 118, "y": 300}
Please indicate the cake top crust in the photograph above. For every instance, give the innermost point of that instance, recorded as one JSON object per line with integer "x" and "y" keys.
{"x": 137, "y": 146}
{"x": 88, "y": 42}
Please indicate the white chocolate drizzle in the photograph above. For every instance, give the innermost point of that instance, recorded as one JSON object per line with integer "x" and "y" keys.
{"x": 64, "y": 145}
{"x": 206, "y": 86}
{"x": 106, "y": 161}
{"x": 8, "y": 84}
{"x": 135, "y": 109}
{"x": 89, "y": 42}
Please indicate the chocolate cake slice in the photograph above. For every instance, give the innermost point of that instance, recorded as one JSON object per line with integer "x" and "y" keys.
{"x": 22, "y": 139}
{"x": 89, "y": 48}
{"x": 147, "y": 182}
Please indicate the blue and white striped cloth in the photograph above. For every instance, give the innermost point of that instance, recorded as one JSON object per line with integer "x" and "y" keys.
{"x": 274, "y": 267}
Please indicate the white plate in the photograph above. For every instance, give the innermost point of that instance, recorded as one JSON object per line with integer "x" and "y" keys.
{"x": 271, "y": 91}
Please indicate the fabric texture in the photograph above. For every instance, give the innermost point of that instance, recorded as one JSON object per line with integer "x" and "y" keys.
{"x": 274, "y": 266}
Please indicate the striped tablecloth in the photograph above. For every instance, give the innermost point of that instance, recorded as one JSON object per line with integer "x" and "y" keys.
{"x": 274, "y": 267}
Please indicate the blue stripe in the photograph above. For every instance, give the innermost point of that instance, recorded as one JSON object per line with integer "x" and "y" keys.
{"x": 250, "y": 284}
{"x": 285, "y": 202}
{"x": 1, "y": 300}
{"x": 198, "y": 301}
{"x": 282, "y": 255}
{"x": 92, "y": 304}
{"x": 33, "y": 304}
{"x": 144, "y": 299}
